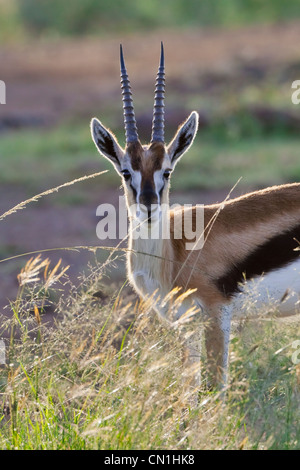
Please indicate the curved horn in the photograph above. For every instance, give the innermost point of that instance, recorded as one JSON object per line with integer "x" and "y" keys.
{"x": 128, "y": 110}
{"x": 158, "y": 122}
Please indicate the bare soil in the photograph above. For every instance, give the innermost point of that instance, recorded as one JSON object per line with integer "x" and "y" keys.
{"x": 47, "y": 82}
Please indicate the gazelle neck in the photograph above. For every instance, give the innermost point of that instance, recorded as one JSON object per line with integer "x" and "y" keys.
{"x": 147, "y": 256}
{"x": 146, "y": 239}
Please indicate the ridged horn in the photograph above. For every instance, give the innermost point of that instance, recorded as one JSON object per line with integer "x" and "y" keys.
{"x": 128, "y": 110}
{"x": 158, "y": 122}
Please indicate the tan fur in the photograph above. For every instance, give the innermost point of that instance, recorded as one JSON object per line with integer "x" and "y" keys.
{"x": 231, "y": 233}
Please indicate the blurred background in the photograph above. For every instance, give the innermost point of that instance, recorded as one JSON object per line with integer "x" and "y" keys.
{"x": 233, "y": 61}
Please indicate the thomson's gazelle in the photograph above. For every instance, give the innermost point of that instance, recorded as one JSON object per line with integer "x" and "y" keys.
{"x": 249, "y": 242}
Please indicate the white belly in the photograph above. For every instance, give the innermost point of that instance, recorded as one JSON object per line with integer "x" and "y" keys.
{"x": 277, "y": 291}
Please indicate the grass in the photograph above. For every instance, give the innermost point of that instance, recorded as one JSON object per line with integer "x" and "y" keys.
{"x": 214, "y": 160}
{"x": 56, "y": 152}
{"x": 21, "y": 18}
{"x": 259, "y": 162}
{"x": 110, "y": 377}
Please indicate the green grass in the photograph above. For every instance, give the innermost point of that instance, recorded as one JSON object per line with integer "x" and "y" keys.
{"x": 32, "y": 17}
{"x": 110, "y": 377}
{"x": 217, "y": 159}
{"x": 259, "y": 162}
{"x": 63, "y": 153}
{"x": 26, "y": 155}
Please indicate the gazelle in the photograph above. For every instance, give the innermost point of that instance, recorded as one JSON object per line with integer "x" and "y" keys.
{"x": 249, "y": 242}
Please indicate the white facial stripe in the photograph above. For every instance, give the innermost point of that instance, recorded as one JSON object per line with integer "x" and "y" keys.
{"x": 136, "y": 177}
{"x": 136, "y": 183}
{"x": 158, "y": 182}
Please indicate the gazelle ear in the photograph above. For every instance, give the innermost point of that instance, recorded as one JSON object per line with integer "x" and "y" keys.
{"x": 184, "y": 137}
{"x": 107, "y": 143}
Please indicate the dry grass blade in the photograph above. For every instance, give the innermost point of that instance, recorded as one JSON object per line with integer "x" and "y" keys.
{"x": 31, "y": 270}
{"x": 35, "y": 198}
{"x": 53, "y": 276}
{"x": 37, "y": 315}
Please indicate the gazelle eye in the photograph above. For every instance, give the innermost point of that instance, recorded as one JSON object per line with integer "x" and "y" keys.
{"x": 126, "y": 174}
{"x": 167, "y": 174}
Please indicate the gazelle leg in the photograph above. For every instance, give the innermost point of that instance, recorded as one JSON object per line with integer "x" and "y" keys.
{"x": 192, "y": 366}
{"x": 192, "y": 358}
{"x": 192, "y": 334}
{"x": 217, "y": 337}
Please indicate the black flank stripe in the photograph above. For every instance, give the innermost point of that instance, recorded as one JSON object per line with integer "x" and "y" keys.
{"x": 274, "y": 254}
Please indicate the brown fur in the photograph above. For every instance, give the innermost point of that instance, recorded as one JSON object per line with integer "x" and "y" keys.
{"x": 135, "y": 150}
{"x": 231, "y": 232}
{"x": 147, "y": 160}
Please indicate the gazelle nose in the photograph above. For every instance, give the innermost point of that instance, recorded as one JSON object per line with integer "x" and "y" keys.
{"x": 148, "y": 199}
{"x": 149, "y": 212}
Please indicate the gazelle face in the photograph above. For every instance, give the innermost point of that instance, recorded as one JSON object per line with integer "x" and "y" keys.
{"x": 145, "y": 170}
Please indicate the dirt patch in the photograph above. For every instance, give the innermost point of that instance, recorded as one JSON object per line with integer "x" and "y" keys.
{"x": 47, "y": 82}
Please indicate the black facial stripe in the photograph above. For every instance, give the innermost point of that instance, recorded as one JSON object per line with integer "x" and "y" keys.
{"x": 274, "y": 254}
{"x": 134, "y": 191}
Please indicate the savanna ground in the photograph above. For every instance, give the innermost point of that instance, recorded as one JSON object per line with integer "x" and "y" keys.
{"x": 83, "y": 383}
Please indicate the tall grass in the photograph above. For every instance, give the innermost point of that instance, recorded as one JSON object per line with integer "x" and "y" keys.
{"x": 109, "y": 375}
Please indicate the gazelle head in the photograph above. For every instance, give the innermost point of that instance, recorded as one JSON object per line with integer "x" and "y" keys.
{"x": 145, "y": 169}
